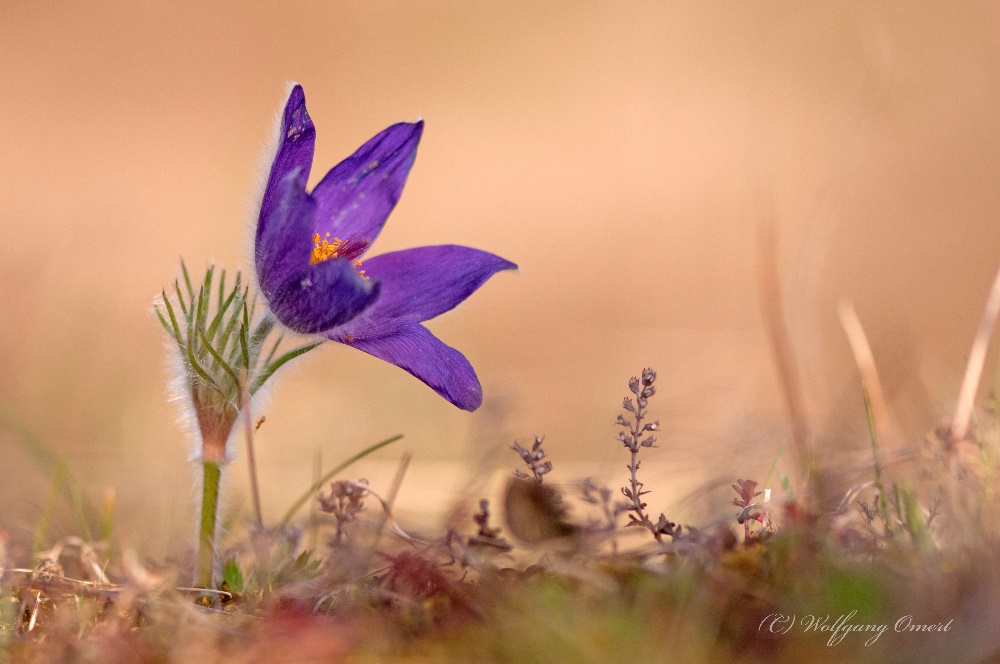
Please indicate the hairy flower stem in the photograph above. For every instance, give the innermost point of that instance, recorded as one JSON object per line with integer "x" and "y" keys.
{"x": 206, "y": 531}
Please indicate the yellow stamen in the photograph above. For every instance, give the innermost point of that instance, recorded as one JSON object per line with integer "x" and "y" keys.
{"x": 325, "y": 250}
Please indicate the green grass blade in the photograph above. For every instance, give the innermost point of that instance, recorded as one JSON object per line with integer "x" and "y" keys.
{"x": 77, "y": 501}
{"x": 916, "y": 523}
{"x": 232, "y": 576}
{"x": 896, "y": 503}
{"x": 42, "y": 529}
{"x": 774, "y": 465}
{"x": 108, "y": 517}
{"x": 297, "y": 505}
{"x": 49, "y": 462}
{"x": 44, "y": 457}
{"x": 873, "y": 435}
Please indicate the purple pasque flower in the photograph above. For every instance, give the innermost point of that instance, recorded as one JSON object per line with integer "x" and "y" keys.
{"x": 309, "y": 246}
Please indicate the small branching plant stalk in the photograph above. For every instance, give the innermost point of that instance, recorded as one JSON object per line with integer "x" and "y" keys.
{"x": 534, "y": 459}
{"x": 344, "y": 502}
{"x": 478, "y": 550}
{"x": 221, "y": 344}
{"x": 600, "y": 496}
{"x": 487, "y": 536}
{"x": 535, "y": 511}
{"x": 749, "y": 510}
{"x": 636, "y": 435}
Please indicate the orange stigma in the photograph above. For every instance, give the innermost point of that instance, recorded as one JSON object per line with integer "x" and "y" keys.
{"x": 325, "y": 250}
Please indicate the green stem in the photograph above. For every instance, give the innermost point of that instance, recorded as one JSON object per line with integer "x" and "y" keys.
{"x": 206, "y": 531}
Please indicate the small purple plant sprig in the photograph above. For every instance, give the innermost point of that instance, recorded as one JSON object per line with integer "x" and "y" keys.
{"x": 751, "y": 511}
{"x": 345, "y": 501}
{"x": 534, "y": 459}
{"x": 632, "y": 438}
{"x": 487, "y": 535}
{"x": 475, "y": 551}
{"x": 600, "y": 496}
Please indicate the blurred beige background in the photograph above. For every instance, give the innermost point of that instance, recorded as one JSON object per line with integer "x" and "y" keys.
{"x": 622, "y": 153}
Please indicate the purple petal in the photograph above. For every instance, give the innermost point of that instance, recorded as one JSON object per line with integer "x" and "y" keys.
{"x": 421, "y": 283}
{"x": 356, "y": 197}
{"x": 284, "y": 242}
{"x": 295, "y": 152}
{"x": 411, "y": 347}
{"x": 316, "y": 298}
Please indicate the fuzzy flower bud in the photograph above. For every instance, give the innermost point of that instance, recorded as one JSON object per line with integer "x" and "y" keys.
{"x": 220, "y": 356}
